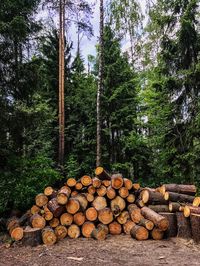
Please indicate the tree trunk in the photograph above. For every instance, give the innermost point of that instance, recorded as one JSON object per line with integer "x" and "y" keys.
{"x": 128, "y": 183}
{"x": 174, "y": 207}
{"x": 63, "y": 195}
{"x": 191, "y": 209}
{"x": 32, "y": 236}
{"x": 91, "y": 190}
{"x": 14, "y": 228}
{"x": 172, "y": 229}
{"x": 178, "y": 188}
{"x": 149, "y": 225}
{"x": 55, "y": 208}
{"x": 196, "y": 202}
{"x": 106, "y": 183}
{"x": 195, "y": 225}
{"x": 159, "y": 221}
{"x": 152, "y": 197}
{"x": 96, "y": 182}
{"x": 89, "y": 197}
{"x": 102, "y": 174}
{"x": 54, "y": 222}
{"x": 176, "y": 197}
{"x": 100, "y": 83}
{"x": 82, "y": 200}
{"x": 48, "y": 191}
{"x": 159, "y": 208}
{"x": 139, "y": 232}
{"x": 183, "y": 226}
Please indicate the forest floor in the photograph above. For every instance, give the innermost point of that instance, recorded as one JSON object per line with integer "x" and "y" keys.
{"x": 116, "y": 250}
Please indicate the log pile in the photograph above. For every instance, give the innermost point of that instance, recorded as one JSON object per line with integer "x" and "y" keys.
{"x": 109, "y": 204}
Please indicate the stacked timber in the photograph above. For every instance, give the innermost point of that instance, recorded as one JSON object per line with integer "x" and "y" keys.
{"x": 108, "y": 204}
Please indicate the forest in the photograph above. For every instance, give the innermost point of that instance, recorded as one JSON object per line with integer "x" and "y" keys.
{"x": 150, "y": 104}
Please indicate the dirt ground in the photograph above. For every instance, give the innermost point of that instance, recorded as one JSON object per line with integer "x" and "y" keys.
{"x": 116, "y": 250}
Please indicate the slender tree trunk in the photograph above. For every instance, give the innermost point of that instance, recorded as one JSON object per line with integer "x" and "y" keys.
{"x": 100, "y": 85}
{"x": 61, "y": 83}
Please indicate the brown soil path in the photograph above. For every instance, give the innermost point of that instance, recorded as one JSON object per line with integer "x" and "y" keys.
{"x": 116, "y": 250}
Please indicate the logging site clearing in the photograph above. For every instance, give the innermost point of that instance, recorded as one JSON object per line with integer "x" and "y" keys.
{"x": 116, "y": 250}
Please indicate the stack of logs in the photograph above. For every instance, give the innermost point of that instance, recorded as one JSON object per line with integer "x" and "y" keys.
{"x": 95, "y": 207}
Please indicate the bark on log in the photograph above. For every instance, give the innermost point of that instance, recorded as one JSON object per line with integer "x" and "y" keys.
{"x": 55, "y": 208}
{"x": 71, "y": 182}
{"x": 135, "y": 213}
{"x": 190, "y": 209}
{"x": 41, "y": 200}
{"x": 172, "y": 229}
{"x": 157, "y": 234}
{"x": 86, "y": 180}
{"x": 128, "y": 226}
{"x": 195, "y": 226}
{"x": 105, "y": 216}
{"x": 159, "y": 221}
{"x": 123, "y": 192}
{"x": 152, "y": 197}
{"x": 139, "y": 232}
{"x": 91, "y": 214}
{"x": 60, "y": 232}
{"x": 176, "y": 197}
{"x": 66, "y": 219}
{"x": 79, "y": 218}
{"x": 159, "y": 208}
{"x": 96, "y": 182}
{"x": 102, "y": 174}
{"x": 37, "y": 221}
{"x": 87, "y": 229}
{"x": 73, "y": 206}
{"x": 178, "y": 188}
{"x": 100, "y": 232}
{"x": 101, "y": 191}
{"x": 183, "y": 226}
{"x": 130, "y": 198}
{"x": 32, "y": 236}
{"x": 111, "y": 193}
{"x": 149, "y": 225}
{"x": 48, "y": 236}
{"x": 74, "y": 231}
{"x": 117, "y": 181}
{"x": 115, "y": 228}
{"x": 123, "y": 217}
{"x": 174, "y": 206}
{"x": 128, "y": 183}
{"x": 99, "y": 203}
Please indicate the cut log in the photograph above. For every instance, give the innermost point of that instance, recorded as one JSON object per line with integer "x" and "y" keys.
{"x": 41, "y": 200}
{"x": 73, "y": 206}
{"x": 128, "y": 183}
{"x": 106, "y": 183}
{"x": 37, "y": 221}
{"x": 131, "y": 198}
{"x": 196, "y": 202}
{"x": 14, "y": 228}
{"x": 174, "y": 206}
{"x": 172, "y": 229}
{"x": 102, "y": 174}
{"x": 66, "y": 219}
{"x": 87, "y": 229}
{"x": 86, "y": 180}
{"x": 110, "y": 193}
{"x": 100, "y": 232}
{"x": 48, "y": 191}
{"x": 35, "y": 209}
{"x": 91, "y": 189}
{"x": 115, "y": 228}
{"x": 54, "y": 222}
{"x": 152, "y": 197}
{"x": 128, "y": 226}
{"x": 32, "y": 236}
{"x": 24, "y": 219}
{"x": 55, "y": 208}
{"x": 117, "y": 181}
{"x": 117, "y": 205}
{"x": 74, "y": 231}
{"x": 157, "y": 234}
{"x": 139, "y": 232}
{"x": 105, "y": 216}
{"x": 190, "y": 209}
{"x": 195, "y": 226}
{"x": 101, "y": 191}
{"x": 79, "y": 218}
{"x": 135, "y": 213}
{"x": 78, "y": 186}
{"x": 123, "y": 217}
{"x": 74, "y": 193}
{"x": 99, "y": 203}
{"x": 158, "y": 220}
{"x": 82, "y": 200}
{"x": 139, "y": 203}
{"x": 91, "y": 214}
{"x": 183, "y": 226}
{"x": 48, "y": 215}
{"x": 136, "y": 186}
{"x": 159, "y": 208}
{"x": 123, "y": 192}
{"x": 89, "y": 197}
{"x": 71, "y": 182}
{"x": 96, "y": 182}
{"x": 176, "y": 197}
{"x": 61, "y": 232}
{"x": 149, "y": 225}
{"x": 48, "y": 236}
{"x": 178, "y": 188}
{"x": 63, "y": 195}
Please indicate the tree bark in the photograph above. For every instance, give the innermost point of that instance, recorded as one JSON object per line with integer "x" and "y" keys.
{"x": 55, "y": 208}
{"x": 172, "y": 229}
{"x": 32, "y": 236}
{"x": 159, "y": 208}
{"x": 102, "y": 174}
{"x": 152, "y": 197}
{"x": 178, "y": 188}
{"x": 183, "y": 226}
{"x": 176, "y": 197}
{"x": 195, "y": 225}
{"x": 190, "y": 209}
